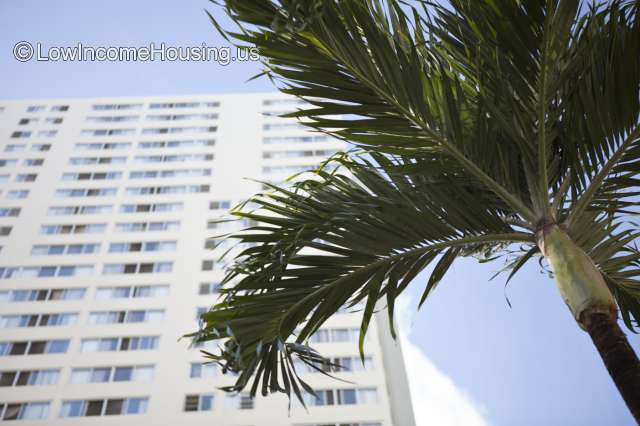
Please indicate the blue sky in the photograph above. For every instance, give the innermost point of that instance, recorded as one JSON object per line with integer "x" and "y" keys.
{"x": 472, "y": 359}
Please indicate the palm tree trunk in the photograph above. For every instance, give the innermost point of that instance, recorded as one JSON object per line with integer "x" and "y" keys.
{"x": 588, "y": 297}
{"x": 618, "y": 357}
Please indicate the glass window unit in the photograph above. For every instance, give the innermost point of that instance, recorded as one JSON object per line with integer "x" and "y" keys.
{"x": 112, "y": 344}
{"x": 137, "y": 268}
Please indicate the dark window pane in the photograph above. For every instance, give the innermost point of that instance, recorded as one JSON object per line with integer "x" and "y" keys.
{"x": 6, "y": 378}
{"x": 23, "y": 378}
{"x": 94, "y": 408}
{"x": 114, "y": 407}
{"x": 19, "y": 348}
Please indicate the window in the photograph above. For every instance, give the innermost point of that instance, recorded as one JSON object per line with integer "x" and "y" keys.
{"x": 102, "y": 146}
{"x": 5, "y": 231}
{"x": 202, "y": 402}
{"x": 53, "y": 120}
{"x": 45, "y": 271}
{"x": 200, "y": 370}
{"x": 79, "y": 210}
{"x": 189, "y": 143}
{"x": 18, "y": 194}
{"x": 92, "y": 176}
{"x": 219, "y": 205}
{"x": 15, "y": 147}
{"x": 16, "y": 296}
{"x": 40, "y": 147}
{"x": 112, "y": 374}
{"x": 83, "y": 161}
{"x": 111, "y": 344}
{"x": 26, "y": 177}
{"x": 104, "y": 407}
{"x": 342, "y": 397}
{"x": 56, "y": 249}
{"x": 142, "y": 246}
{"x": 36, "y": 108}
{"x": 29, "y": 377}
{"x": 172, "y": 158}
{"x": 208, "y": 288}
{"x": 89, "y": 228}
{"x": 33, "y": 347}
{"x": 239, "y": 402}
{"x": 124, "y": 292}
{"x": 47, "y": 133}
{"x": 110, "y": 107}
{"x": 86, "y": 192}
{"x": 4, "y": 177}
{"x": 282, "y": 102}
{"x": 147, "y": 226}
{"x": 340, "y": 365}
{"x": 38, "y": 320}
{"x": 8, "y": 163}
{"x": 148, "y": 208}
{"x": 108, "y": 132}
{"x": 293, "y": 140}
{"x": 24, "y": 411}
{"x": 9, "y": 211}
{"x": 137, "y": 268}
{"x": 21, "y": 134}
{"x": 298, "y": 153}
{"x": 120, "y": 317}
{"x": 180, "y": 105}
{"x": 60, "y": 108}
{"x": 335, "y": 335}
{"x": 32, "y": 162}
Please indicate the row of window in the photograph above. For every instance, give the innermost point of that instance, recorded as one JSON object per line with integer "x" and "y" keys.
{"x": 102, "y": 293}
{"x": 298, "y": 154}
{"x": 205, "y": 402}
{"x": 129, "y": 208}
{"x": 27, "y": 134}
{"x": 135, "y": 174}
{"x": 34, "y": 120}
{"x": 71, "y": 318}
{"x": 111, "y": 192}
{"x": 150, "y": 117}
{"x": 54, "y": 108}
{"x": 96, "y": 228}
{"x": 337, "y": 365}
{"x": 342, "y": 397}
{"x": 60, "y": 346}
{"x": 123, "y": 132}
{"x": 37, "y": 147}
{"x": 85, "y": 161}
{"x": 89, "y": 248}
{"x": 142, "y": 373}
{"x": 83, "y": 270}
{"x": 105, "y": 208}
{"x": 19, "y": 177}
{"x": 156, "y": 105}
{"x": 38, "y": 320}
{"x": 27, "y": 162}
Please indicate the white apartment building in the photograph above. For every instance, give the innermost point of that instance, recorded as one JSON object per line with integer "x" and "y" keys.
{"x": 106, "y": 206}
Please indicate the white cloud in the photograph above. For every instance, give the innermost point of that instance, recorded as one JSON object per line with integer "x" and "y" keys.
{"x": 436, "y": 398}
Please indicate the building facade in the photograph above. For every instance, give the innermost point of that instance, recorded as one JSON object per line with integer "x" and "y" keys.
{"x": 106, "y": 208}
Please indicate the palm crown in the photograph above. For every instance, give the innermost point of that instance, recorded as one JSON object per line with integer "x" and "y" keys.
{"x": 475, "y": 126}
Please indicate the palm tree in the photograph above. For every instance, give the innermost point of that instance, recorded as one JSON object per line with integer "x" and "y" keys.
{"x": 481, "y": 128}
